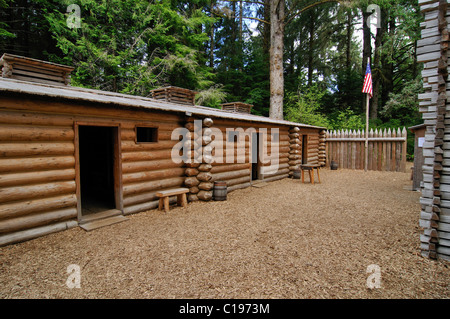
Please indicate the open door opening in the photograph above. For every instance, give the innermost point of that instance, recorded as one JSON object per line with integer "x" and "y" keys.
{"x": 304, "y": 149}
{"x": 255, "y": 156}
{"x": 96, "y": 160}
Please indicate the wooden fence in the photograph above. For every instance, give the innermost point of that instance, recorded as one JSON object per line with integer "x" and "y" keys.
{"x": 386, "y": 149}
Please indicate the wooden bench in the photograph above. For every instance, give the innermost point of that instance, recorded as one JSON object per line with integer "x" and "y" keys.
{"x": 310, "y": 169}
{"x": 164, "y": 197}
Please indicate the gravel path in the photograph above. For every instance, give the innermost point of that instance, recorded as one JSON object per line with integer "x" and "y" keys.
{"x": 284, "y": 240}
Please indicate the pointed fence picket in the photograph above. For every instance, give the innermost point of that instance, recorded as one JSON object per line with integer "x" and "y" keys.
{"x": 386, "y": 149}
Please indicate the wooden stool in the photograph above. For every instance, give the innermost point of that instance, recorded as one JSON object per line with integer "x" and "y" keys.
{"x": 310, "y": 169}
{"x": 164, "y": 197}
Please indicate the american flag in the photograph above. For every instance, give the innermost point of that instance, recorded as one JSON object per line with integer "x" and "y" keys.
{"x": 367, "y": 87}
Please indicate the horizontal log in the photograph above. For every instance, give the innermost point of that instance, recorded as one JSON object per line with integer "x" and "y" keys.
{"x": 85, "y": 112}
{"x": 238, "y": 186}
{"x": 229, "y": 167}
{"x": 138, "y": 188}
{"x": 36, "y": 164}
{"x": 140, "y": 198}
{"x": 146, "y": 155}
{"x": 11, "y": 133}
{"x": 17, "y": 209}
{"x": 230, "y": 175}
{"x": 131, "y": 146}
{"x": 24, "y": 235}
{"x": 142, "y": 207}
{"x": 36, "y": 149}
{"x": 29, "y": 192}
{"x": 276, "y": 177}
{"x": 152, "y": 175}
{"x": 35, "y": 220}
{"x": 283, "y": 171}
{"x": 20, "y": 179}
{"x": 24, "y": 118}
{"x": 237, "y": 181}
{"x": 145, "y": 166}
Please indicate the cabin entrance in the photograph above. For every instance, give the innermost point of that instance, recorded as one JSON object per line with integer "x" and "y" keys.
{"x": 304, "y": 149}
{"x": 255, "y": 156}
{"x": 97, "y": 151}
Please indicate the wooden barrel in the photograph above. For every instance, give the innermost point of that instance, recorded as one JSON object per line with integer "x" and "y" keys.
{"x": 334, "y": 165}
{"x": 297, "y": 173}
{"x": 220, "y": 190}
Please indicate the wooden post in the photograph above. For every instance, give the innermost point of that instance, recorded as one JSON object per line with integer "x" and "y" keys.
{"x": 366, "y": 147}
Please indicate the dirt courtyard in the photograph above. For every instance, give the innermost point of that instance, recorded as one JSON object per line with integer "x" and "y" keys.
{"x": 284, "y": 240}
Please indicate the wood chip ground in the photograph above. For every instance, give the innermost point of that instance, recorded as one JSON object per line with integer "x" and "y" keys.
{"x": 285, "y": 240}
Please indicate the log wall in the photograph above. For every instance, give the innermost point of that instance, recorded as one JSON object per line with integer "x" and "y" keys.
{"x": 39, "y": 169}
{"x": 38, "y": 192}
{"x": 238, "y": 174}
{"x": 432, "y": 51}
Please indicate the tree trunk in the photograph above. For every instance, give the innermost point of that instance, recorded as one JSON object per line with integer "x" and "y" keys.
{"x": 388, "y": 66}
{"x": 348, "y": 60}
{"x": 277, "y": 8}
{"x": 311, "y": 31}
{"x": 241, "y": 28}
{"x": 377, "y": 68}
{"x": 367, "y": 49}
{"x": 211, "y": 39}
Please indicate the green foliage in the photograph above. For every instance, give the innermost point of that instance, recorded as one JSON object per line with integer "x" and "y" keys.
{"x": 303, "y": 107}
{"x": 402, "y": 107}
{"x": 133, "y": 51}
{"x": 347, "y": 120}
{"x": 211, "y": 97}
{"x": 4, "y": 33}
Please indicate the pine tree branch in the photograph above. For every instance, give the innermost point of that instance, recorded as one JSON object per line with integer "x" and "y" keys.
{"x": 312, "y": 5}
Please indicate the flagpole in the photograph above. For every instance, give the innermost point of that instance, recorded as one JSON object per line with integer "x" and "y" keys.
{"x": 366, "y": 162}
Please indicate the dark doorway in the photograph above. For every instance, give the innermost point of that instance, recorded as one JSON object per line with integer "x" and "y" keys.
{"x": 304, "y": 149}
{"x": 255, "y": 156}
{"x": 96, "y": 155}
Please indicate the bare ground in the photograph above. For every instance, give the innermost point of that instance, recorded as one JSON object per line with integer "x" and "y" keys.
{"x": 284, "y": 240}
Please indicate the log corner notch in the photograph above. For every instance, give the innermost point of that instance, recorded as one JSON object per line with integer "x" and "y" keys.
{"x": 198, "y": 176}
{"x": 433, "y": 106}
{"x": 322, "y": 147}
{"x": 294, "y": 151}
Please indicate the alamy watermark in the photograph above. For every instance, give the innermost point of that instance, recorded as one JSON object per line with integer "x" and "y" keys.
{"x": 375, "y": 17}
{"x": 74, "y": 279}
{"x": 374, "y": 279}
{"x": 73, "y": 21}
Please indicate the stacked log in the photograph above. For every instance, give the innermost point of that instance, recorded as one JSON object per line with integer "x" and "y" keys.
{"x": 198, "y": 170}
{"x": 295, "y": 145}
{"x": 37, "y": 176}
{"x": 322, "y": 147}
{"x": 435, "y": 209}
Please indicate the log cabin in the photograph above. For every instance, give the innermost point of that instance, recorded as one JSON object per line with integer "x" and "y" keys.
{"x": 71, "y": 156}
{"x": 433, "y": 51}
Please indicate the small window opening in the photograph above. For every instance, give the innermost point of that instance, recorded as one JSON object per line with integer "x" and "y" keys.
{"x": 146, "y": 134}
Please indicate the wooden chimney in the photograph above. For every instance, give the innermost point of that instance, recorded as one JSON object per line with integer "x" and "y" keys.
{"x": 28, "y": 69}
{"x": 237, "y": 107}
{"x": 175, "y": 95}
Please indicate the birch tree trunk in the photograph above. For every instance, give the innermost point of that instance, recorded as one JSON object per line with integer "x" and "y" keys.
{"x": 277, "y": 8}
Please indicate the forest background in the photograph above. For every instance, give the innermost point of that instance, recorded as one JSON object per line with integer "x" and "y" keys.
{"x": 222, "y": 50}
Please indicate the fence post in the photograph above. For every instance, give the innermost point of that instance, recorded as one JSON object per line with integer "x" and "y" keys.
{"x": 404, "y": 150}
